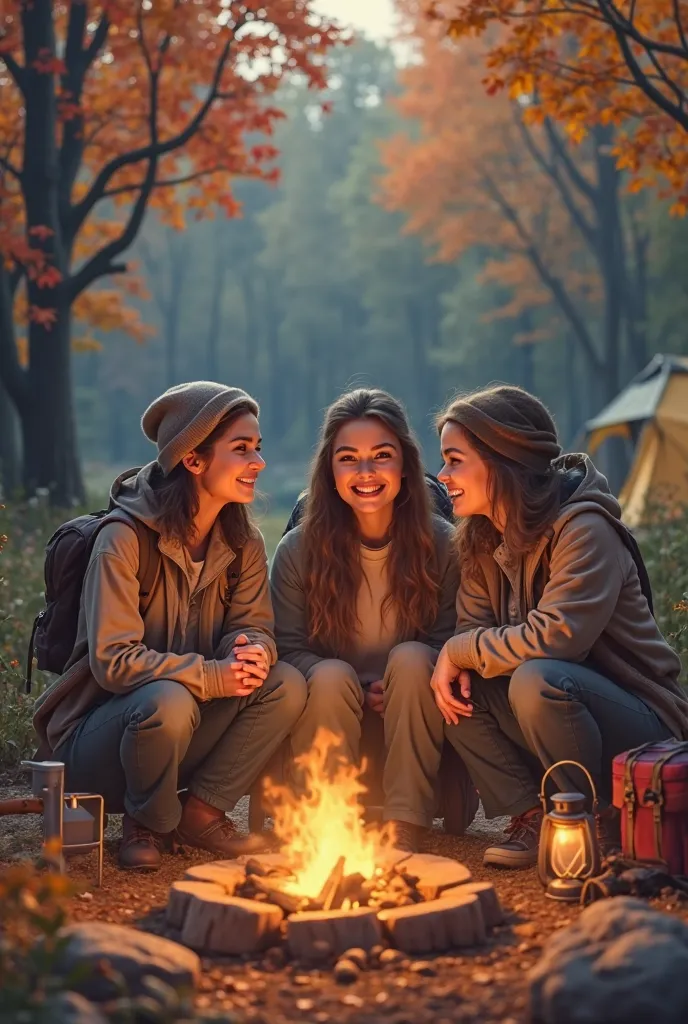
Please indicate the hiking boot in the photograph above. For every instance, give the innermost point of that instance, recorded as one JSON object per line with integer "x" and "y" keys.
{"x": 208, "y": 828}
{"x": 608, "y": 828}
{"x": 141, "y": 848}
{"x": 402, "y": 835}
{"x": 520, "y": 848}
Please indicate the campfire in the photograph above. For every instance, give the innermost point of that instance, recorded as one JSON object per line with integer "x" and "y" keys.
{"x": 334, "y": 884}
{"x": 334, "y": 861}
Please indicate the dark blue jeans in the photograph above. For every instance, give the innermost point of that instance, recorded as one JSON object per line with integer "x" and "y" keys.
{"x": 547, "y": 711}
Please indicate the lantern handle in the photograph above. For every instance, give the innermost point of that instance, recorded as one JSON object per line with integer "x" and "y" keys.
{"x": 543, "y": 795}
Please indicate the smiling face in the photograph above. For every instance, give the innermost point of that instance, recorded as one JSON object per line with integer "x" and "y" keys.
{"x": 367, "y": 464}
{"x": 230, "y": 473}
{"x": 464, "y": 473}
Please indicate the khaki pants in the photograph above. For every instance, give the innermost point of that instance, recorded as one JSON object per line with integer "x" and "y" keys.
{"x": 412, "y": 730}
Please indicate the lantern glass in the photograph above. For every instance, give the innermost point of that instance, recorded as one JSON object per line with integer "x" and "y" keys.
{"x": 568, "y": 853}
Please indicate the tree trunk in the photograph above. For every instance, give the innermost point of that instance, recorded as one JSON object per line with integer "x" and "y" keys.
{"x": 47, "y": 420}
{"x": 10, "y": 455}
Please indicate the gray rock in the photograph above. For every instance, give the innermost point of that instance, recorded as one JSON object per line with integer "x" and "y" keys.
{"x": 70, "y": 1008}
{"x": 620, "y": 962}
{"x": 129, "y": 953}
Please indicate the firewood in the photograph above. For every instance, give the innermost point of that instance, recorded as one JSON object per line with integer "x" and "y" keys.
{"x": 226, "y": 873}
{"x": 436, "y": 873}
{"x": 289, "y": 903}
{"x": 229, "y": 925}
{"x": 489, "y": 900}
{"x": 329, "y": 890}
{"x": 340, "y": 929}
{"x": 180, "y": 897}
{"x": 435, "y": 926}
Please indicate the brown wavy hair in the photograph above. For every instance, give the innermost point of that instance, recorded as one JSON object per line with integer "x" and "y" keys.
{"x": 177, "y": 497}
{"x": 531, "y": 497}
{"x": 331, "y": 538}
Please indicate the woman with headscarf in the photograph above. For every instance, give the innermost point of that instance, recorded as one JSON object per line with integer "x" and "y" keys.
{"x": 557, "y": 655}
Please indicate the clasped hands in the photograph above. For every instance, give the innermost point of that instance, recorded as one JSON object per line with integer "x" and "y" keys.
{"x": 443, "y": 678}
{"x": 246, "y": 670}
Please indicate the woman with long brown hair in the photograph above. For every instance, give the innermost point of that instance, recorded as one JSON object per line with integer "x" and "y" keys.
{"x": 557, "y": 654}
{"x": 364, "y": 589}
{"x": 178, "y": 688}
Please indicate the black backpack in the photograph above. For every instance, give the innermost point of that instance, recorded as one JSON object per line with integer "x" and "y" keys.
{"x": 67, "y": 555}
{"x": 442, "y": 505}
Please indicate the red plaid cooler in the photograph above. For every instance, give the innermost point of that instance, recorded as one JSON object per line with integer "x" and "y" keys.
{"x": 650, "y": 786}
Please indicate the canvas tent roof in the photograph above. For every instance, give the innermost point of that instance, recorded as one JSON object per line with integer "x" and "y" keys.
{"x": 641, "y": 398}
{"x": 652, "y": 412}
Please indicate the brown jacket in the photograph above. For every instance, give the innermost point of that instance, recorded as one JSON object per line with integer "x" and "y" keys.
{"x": 289, "y": 598}
{"x": 116, "y": 650}
{"x": 576, "y": 597}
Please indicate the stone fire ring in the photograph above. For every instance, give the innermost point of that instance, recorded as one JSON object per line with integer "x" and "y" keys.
{"x": 212, "y": 920}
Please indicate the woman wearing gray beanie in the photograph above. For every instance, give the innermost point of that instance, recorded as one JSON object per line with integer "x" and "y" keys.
{"x": 178, "y": 687}
{"x": 557, "y": 655}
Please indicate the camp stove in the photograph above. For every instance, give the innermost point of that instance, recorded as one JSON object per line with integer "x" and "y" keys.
{"x": 72, "y": 822}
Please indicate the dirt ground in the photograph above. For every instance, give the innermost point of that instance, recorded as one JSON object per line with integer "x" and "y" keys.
{"x": 488, "y": 984}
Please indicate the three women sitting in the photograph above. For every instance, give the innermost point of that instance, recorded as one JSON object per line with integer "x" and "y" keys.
{"x": 556, "y": 654}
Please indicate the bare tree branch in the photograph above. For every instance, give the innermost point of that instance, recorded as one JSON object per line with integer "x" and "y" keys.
{"x": 152, "y": 151}
{"x": 15, "y": 69}
{"x": 163, "y": 183}
{"x": 552, "y": 282}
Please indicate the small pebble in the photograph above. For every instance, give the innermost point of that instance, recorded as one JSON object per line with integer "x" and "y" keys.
{"x": 345, "y": 972}
{"x": 322, "y": 1017}
{"x": 352, "y": 1000}
{"x": 391, "y": 956}
{"x": 85, "y": 896}
{"x": 481, "y": 978}
{"x": 356, "y": 956}
{"x": 274, "y": 957}
{"x": 304, "y": 1004}
{"x": 202, "y": 1002}
{"x": 382, "y": 997}
{"x": 301, "y": 980}
{"x": 425, "y": 969}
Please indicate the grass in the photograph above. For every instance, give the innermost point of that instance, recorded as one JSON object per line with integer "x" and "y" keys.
{"x": 24, "y": 529}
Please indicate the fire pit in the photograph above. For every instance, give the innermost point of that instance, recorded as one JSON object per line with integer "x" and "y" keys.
{"x": 334, "y": 885}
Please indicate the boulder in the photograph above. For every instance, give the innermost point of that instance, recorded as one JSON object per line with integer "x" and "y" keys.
{"x": 621, "y": 961}
{"x": 96, "y": 948}
{"x": 69, "y": 1008}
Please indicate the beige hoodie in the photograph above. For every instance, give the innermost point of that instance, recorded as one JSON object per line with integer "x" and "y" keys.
{"x": 117, "y": 650}
{"x": 576, "y": 597}
{"x": 288, "y": 583}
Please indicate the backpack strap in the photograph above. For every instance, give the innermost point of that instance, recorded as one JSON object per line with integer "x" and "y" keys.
{"x": 629, "y": 794}
{"x": 149, "y": 556}
{"x": 654, "y": 794}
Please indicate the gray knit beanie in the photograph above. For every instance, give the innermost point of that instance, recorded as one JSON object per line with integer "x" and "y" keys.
{"x": 186, "y": 414}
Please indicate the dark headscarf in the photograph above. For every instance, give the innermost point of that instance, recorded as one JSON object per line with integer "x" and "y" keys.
{"x": 512, "y": 422}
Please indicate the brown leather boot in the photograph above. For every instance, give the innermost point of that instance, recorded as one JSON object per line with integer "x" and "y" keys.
{"x": 208, "y": 828}
{"x": 141, "y": 848}
{"x": 402, "y": 835}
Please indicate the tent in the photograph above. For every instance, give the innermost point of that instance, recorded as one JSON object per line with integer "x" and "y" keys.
{"x": 652, "y": 414}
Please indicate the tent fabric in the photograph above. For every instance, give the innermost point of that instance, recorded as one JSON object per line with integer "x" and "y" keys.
{"x": 654, "y": 410}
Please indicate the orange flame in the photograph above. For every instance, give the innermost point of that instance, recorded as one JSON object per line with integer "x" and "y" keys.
{"x": 326, "y": 821}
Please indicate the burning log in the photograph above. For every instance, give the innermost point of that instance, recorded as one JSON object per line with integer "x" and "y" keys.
{"x": 255, "y": 886}
{"x": 328, "y": 892}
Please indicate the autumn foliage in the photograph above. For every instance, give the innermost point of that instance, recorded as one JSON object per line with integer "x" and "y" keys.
{"x": 593, "y": 61}
{"x": 110, "y": 109}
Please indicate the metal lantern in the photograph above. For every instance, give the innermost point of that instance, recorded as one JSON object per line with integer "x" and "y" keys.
{"x": 569, "y": 853}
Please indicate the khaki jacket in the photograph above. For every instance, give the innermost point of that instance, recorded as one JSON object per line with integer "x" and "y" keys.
{"x": 576, "y": 597}
{"x": 117, "y": 650}
{"x": 288, "y": 584}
